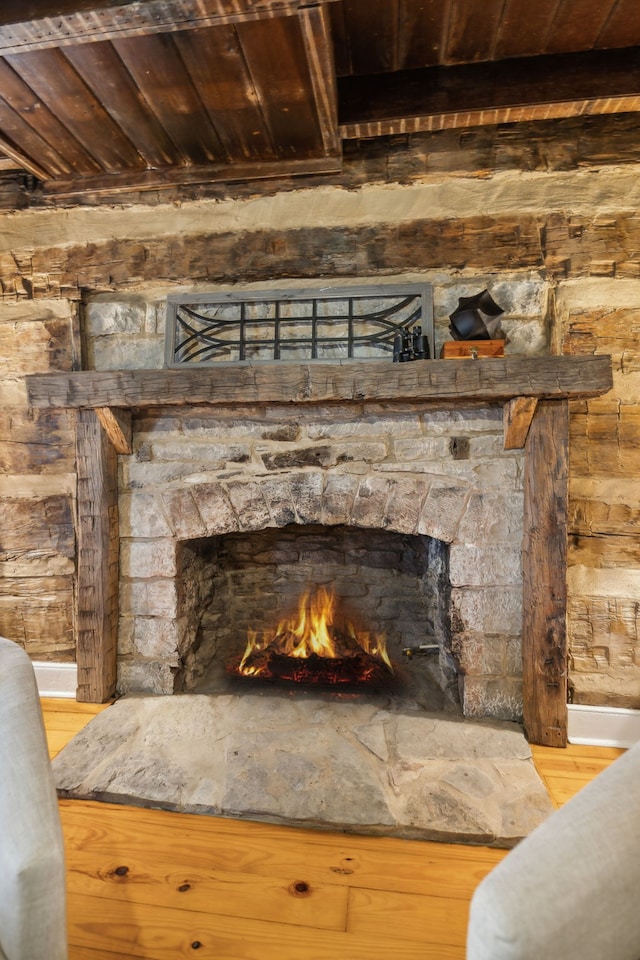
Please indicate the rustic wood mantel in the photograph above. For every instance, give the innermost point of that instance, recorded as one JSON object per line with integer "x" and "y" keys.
{"x": 534, "y": 391}
{"x": 495, "y": 378}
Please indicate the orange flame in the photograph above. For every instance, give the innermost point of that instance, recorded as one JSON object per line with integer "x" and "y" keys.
{"x": 313, "y": 630}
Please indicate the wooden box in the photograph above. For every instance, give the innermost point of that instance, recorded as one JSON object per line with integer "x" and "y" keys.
{"x": 472, "y": 348}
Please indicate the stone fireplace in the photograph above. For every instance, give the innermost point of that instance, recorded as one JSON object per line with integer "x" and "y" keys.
{"x": 464, "y": 460}
{"x": 432, "y": 500}
{"x": 413, "y": 517}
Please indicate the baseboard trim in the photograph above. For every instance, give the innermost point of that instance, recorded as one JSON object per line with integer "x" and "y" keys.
{"x": 56, "y": 679}
{"x": 603, "y": 726}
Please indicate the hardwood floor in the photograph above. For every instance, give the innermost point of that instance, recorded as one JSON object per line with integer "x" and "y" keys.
{"x": 162, "y": 886}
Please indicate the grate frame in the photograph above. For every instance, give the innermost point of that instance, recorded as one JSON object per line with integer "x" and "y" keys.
{"x": 305, "y": 324}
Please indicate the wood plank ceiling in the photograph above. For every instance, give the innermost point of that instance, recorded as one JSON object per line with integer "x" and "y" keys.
{"x": 100, "y": 96}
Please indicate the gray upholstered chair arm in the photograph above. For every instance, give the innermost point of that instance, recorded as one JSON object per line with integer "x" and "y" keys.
{"x": 571, "y": 890}
{"x": 32, "y": 876}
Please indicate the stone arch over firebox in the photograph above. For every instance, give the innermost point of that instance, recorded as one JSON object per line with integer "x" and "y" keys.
{"x": 418, "y": 504}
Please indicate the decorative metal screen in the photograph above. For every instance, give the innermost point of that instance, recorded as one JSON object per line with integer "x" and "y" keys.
{"x": 328, "y": 323}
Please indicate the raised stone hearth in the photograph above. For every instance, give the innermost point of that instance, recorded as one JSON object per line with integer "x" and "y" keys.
{"x": 343, "y": 764}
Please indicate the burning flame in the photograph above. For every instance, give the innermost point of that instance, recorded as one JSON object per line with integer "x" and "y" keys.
{"x": 314, "y": 629}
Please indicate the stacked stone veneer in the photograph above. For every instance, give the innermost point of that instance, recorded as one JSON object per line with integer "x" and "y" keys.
{"x": 206, "y": 472}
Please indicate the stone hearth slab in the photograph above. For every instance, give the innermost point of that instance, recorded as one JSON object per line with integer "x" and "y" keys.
{"x": 336, "y": 764}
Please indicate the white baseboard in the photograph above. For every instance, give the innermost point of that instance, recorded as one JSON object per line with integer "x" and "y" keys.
{"x": 56, "y": 679}
{"x": 603, "y": 726}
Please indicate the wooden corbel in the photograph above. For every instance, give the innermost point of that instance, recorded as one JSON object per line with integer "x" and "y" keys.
{"x": 117, "y": 426}
{"x": 517, "y": 416}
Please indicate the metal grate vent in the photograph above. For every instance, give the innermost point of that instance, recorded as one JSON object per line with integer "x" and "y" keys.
{"x": 329, "y": 323}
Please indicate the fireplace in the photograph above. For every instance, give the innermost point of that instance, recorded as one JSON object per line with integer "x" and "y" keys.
{"x": 470, "y": 454}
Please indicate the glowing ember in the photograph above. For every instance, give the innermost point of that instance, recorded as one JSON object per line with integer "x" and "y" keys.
{"x": 315, "y": 646}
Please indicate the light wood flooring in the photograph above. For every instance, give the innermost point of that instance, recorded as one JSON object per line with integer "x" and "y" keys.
{"x": 163, "y": 886}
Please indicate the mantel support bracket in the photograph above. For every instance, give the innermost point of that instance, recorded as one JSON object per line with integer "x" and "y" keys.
{"x": 517, "y": 416}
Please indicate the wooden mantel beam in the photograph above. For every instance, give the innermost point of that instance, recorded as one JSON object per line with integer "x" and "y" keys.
{"x": 490, "y": 379}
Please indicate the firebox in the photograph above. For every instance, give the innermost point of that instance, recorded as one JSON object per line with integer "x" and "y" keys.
{"x": 328, "y": 607}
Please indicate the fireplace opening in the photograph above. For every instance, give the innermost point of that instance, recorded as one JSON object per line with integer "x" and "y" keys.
{"x": 335, "y": 609}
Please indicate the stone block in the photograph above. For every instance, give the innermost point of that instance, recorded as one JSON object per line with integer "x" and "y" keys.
{"x": 215, "y": 509}
{"x": 324, "y": 455}
{"x": 428, "y": 450}
{"x": 370, "y": 503}
{"x": 277, "y": 495}
{"x": 143, "y": 351}
{"x": 155, "y": 638}
{"x": 473, "y": 565}
{"x": 180, "y": 506}
{"x": 443, "y": 509}
{"x": 492, "y": 517}
{"x": 480, "y": 654}
{"x": 489, "y": 697}
{"x": 149, "y": 598}
{"x": 337, "y": 500}
{"x": 211, "y": 455}
{"x": 145, "y": 677}
{"x": 404, "y": 504}
{"x": 249, "y": 504}
{"x": 495, "y": 610}
{"x": 403, "y": 425}
{"x": 526, "y": 338}
{"x": 115, "y": 317}
{"x": 141, "y": 516}
{"x": 147, "y": 559}
{"x": 306, "y": 493}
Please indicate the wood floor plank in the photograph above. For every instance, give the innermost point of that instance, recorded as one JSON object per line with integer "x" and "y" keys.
{"x": 213, "y": 846}
{"x": 152, "y": 881}
{"x": 142, "y": 931}
{"x": 437, "y": 920}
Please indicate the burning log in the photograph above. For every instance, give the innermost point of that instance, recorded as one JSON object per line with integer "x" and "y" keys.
{"x": 313, "y": 649}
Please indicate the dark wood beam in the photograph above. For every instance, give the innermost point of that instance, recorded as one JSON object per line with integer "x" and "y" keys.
{"x": 544, "y": 565}
{"x": 427, "y": 380}
{"x": 97, "y": 578}
{"x": 507, "y": 91}
{"x": 164, "y": 179}
{"x": 57, "y": 24}
{"x": 316, "y": 33}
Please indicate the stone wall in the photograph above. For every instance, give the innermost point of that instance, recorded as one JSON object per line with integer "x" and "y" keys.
{"x": 543, "y": 214}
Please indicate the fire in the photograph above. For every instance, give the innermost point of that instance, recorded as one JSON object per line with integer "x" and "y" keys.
{"x": 303, "y": 646}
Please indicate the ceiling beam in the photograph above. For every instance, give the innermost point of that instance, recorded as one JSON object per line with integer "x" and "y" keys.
{"x": 59, "y": 24}
{"x": 507, "y": 91}
{"x": 316, "y": 35}
{"x": 165, "y": 178}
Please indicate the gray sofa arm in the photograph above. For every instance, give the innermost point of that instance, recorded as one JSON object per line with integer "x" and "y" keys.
{"x": 32, "y": 875}
{"x": 571, "y": 890}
